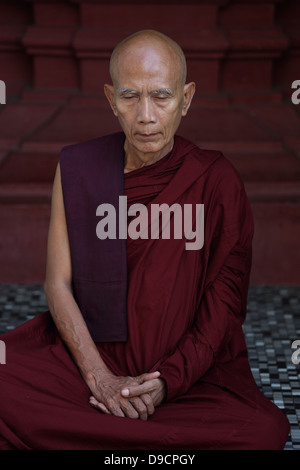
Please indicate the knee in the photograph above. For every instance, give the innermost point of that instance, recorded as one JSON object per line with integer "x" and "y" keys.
{"x": 5, "y": 445}
{"x": 272, "y": 429}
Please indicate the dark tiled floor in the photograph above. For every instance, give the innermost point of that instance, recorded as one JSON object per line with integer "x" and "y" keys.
{"x": 272, "y": 325}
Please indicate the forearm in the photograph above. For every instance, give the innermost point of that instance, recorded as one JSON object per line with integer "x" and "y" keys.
{"x": 192, "y": 358}
{"x": 217, "y": 320}
{"x": 74, "y": 332}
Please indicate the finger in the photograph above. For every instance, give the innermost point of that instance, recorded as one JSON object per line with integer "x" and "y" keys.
{"x": 148, "y": 403}
{"x": 140, "y": 408}
{"x": 93, "y": 401}
{"x": 149, "y": 376}
{"x": 130, "y": 409}
{"x": 114, "y": 408}
{"x": 127, "y": 409}
{"x": 99, "y": 406}
{"x": 137, "y": 390}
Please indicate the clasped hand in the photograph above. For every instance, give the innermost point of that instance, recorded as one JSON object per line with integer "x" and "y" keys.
{"x": 132, "y": 397}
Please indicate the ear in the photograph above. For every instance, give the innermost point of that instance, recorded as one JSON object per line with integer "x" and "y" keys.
{"x": 188, "y": 93}
{"x": 109, "y": 93}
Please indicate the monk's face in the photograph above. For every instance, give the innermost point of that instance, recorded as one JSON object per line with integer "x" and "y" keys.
{"x": 149, "y": 98}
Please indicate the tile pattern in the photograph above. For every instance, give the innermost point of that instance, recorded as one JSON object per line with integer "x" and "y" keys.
{"x": 272, "y": 325}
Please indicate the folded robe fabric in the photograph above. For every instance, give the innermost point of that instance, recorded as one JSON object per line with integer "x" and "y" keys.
{"x": 185, "y": 310}
{"x": 92, "y": 173}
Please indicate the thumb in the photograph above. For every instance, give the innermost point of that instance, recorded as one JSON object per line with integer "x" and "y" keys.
{"x": 148, "y": 376}
{"x": 137, "y": 390}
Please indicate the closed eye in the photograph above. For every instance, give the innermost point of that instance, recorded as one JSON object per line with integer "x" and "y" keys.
{"x": 127, "y": 94}
{"x": 162, "y": 94}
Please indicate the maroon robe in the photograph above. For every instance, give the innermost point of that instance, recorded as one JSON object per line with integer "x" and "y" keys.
{"x": 185, "y": 312}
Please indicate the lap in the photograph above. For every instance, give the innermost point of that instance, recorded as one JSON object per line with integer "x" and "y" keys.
{"x": 218, "y": 418}
{"x": 44, "y": 400}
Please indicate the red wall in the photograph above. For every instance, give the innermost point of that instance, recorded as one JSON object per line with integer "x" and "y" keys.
{"x": 243, "y": 55}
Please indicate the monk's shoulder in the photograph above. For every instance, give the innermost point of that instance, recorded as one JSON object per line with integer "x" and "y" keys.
{"x": 218, "y": 168}
{"x": 84, "y": 149}
{"x": 78, "y": 149}
{"x": 223, "y": 169}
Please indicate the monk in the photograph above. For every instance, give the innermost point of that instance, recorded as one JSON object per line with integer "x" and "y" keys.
{"x": 142, "y": 346}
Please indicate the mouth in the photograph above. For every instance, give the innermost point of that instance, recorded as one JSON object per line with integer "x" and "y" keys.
{"x": 145, "y": 136}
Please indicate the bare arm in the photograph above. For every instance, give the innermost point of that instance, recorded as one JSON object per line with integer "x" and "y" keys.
{"x": 62, "y": 305}
{"x": 104, "y": 385}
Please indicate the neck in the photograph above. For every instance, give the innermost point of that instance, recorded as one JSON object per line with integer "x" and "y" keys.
{"x": 134, "y": 159}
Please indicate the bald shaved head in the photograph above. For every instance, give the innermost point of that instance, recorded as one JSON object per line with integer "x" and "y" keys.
{"x": 151, "y": 39}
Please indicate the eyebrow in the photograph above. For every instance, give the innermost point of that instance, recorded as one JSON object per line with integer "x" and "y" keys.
{"x": 124, "y": 91}
{"x": 162, "y": 91}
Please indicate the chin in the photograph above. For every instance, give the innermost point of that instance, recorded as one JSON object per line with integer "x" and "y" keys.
{"x": 150, "y": 147}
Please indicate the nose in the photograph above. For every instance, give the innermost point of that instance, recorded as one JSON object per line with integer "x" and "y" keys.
{"x": 146, "y": 113}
